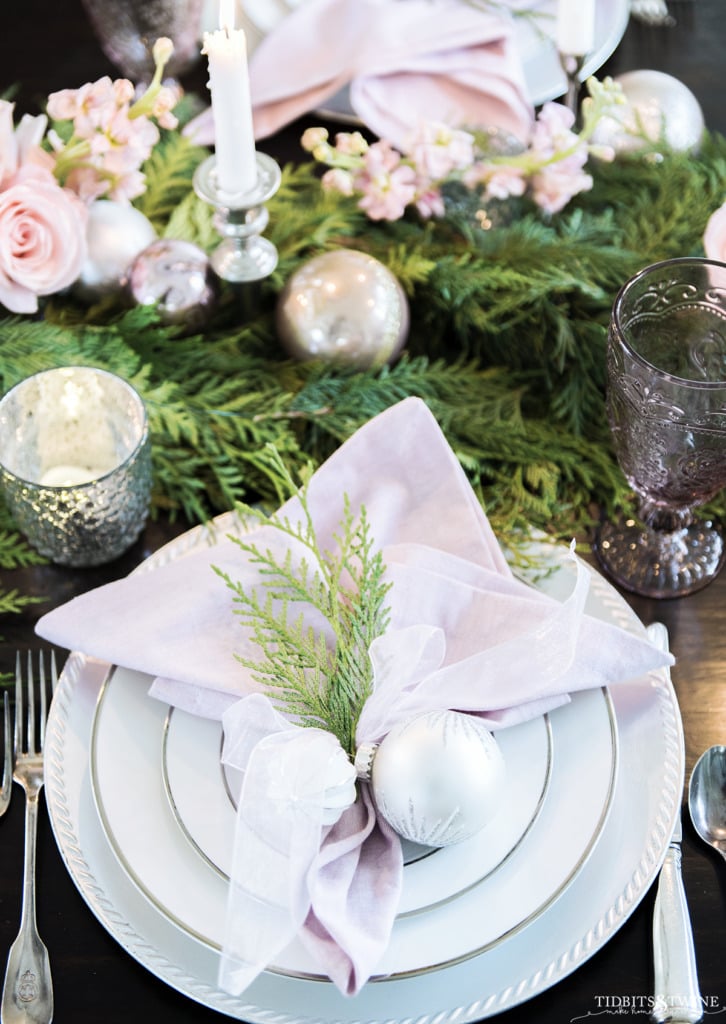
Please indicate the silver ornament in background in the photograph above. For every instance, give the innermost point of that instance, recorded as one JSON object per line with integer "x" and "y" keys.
{"x": 343, "y": 307}
{"x": 176, "y": 278}
{"x": 659, "y": 105}
{"x": 438, "y": 778}
{"x": 116, "y": 234}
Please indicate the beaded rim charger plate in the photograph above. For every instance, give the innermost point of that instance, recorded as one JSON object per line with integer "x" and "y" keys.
{"x": 579, "y": 919}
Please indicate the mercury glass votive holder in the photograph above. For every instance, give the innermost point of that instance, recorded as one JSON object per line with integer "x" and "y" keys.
{"x": 75, "y": 463}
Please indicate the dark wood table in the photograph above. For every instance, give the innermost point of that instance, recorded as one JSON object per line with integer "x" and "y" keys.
{"x": 50, "y": 46}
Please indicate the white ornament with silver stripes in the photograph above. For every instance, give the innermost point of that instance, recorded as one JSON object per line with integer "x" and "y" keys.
{"x": 438, "y": 778}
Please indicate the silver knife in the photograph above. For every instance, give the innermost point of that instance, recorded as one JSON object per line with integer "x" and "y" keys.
{"x": 677, "y": 997}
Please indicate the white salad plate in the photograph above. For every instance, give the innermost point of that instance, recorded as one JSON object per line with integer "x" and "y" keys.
{"x": 473, "y": 893}
{"x": 535, "y": 28}
{"x": 445, "y": 966}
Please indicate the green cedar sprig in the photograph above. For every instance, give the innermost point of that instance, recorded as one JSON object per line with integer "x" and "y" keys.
{"x": 506, "y": 346}
{"x": 317, "y": 672}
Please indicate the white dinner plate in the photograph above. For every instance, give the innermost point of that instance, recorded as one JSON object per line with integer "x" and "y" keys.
{"x": 599, "y": 898}
{"x": 535, "y": 33}
{"x": 203, "y": 797}
{"x": 560, "y": 778}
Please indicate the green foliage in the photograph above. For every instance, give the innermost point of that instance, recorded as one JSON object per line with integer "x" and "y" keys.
{"x": 506, "y": 344}
{"x": 15, "y": 553}
{"x": 319, "y": 674}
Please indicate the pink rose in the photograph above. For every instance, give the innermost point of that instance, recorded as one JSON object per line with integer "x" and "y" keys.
{"x": 42, "y": 238}
{"x": 714, "y": 238}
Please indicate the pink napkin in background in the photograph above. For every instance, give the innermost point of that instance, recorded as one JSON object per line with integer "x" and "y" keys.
{"x": 464, "y": 634}
{"x": 406, "y": 61}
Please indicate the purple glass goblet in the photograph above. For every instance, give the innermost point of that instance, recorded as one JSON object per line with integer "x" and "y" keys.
{"x": 128, "y": 29}
{"x": 666, "y": 401}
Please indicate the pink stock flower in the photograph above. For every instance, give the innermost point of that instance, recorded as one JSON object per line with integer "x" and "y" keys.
{"x": 438, "y": 149}
{"x": 350, "y": 143}
{"x": 552, "y": 130}
{"x": 338, "y": 180}
{"x": 555, "y": 184}
{"x": 166, "y": 100}
{"x": 113, "y": 132}
{"x": 562, "y": 157}
{"x": 551, "y": 169}
{"x": 500, "y": 181}
{"x": 714, "y": 238}
{"x": 430, "y": 203}
{"x": 387, "y": 184}
{"x": 42, "y": 238}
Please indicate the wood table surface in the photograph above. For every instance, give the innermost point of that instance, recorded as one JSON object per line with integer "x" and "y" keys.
{"x": 50, "y": 46}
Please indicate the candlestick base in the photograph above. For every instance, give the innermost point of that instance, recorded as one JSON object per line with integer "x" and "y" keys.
{"x": 572, "y": 65}
{"x": 244, "y": 255}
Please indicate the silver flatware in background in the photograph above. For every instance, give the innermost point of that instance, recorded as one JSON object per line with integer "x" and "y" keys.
{"x": 707, "y": 798}
{"x": 651, "y": 12}
{"x": 6, "y": 788}
{"x": 677, "y": 997}
{"x": 676, "y": 990}
{"x": 28, "y": 989}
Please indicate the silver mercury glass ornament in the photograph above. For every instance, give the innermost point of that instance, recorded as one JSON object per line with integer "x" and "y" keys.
{"x": 176, "y": 277}
{"x": 343, "y": 307}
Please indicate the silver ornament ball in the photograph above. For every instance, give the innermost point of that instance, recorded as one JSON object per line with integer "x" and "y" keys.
{"x": 438, "y": 778}
{"x": 659, "y": 105}
{"x": 115, "y": 234}
{"x": 343, "y": 307}
{"x": 176, "y": 278}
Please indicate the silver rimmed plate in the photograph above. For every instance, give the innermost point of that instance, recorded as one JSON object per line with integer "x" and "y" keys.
{"x": 465, "y": 898}
{"x": 585, "y": 915}
{"x": 203, "y": 798}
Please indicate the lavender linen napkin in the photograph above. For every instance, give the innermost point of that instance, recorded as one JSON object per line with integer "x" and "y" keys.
{"x": 310, "y": 859}
{"x": 406, "y": 61}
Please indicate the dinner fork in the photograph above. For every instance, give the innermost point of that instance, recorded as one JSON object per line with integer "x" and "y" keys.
{"x": 7, "y": 784}
{"x": 659, "y": 14}
{"x": 28, "y": 989}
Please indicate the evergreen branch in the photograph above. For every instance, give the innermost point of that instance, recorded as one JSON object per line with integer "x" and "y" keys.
{"x": 316, "y": 668}
{"x": 506, "y": 346}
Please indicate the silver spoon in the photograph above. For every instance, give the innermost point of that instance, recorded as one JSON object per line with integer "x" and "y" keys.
{"x": 707, "y": 798}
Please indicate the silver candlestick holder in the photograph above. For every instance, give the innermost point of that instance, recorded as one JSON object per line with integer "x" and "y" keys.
{"x": 572, "y": 64}
{"x": 243, "y": 255}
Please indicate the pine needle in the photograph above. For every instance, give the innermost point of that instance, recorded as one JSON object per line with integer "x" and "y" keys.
{"x": 320, "y": 676}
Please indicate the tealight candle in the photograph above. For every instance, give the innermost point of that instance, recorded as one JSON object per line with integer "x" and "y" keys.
{"x": 234, "y": 145}
{"x": 68, "y": 476}
{"x": 75, "y": 463}
{"x": 575, "y": 27}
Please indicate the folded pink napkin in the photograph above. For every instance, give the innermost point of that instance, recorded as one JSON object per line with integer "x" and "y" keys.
{"x": 311, "y": 860}
{"x": 406, "y": 61}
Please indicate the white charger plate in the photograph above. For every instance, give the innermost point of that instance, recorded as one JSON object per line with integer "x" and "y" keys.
{"x": 585, "y": 915}
{"x": 535, "y": 32}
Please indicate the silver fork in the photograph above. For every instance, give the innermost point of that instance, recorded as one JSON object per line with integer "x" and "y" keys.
{"x": 28, "y": 989}
{"x": 659, "y": 14}
{"x": 6, "y": 788}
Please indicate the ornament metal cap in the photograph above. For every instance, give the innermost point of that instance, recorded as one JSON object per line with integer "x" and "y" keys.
{"x": 363, "y": 762}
